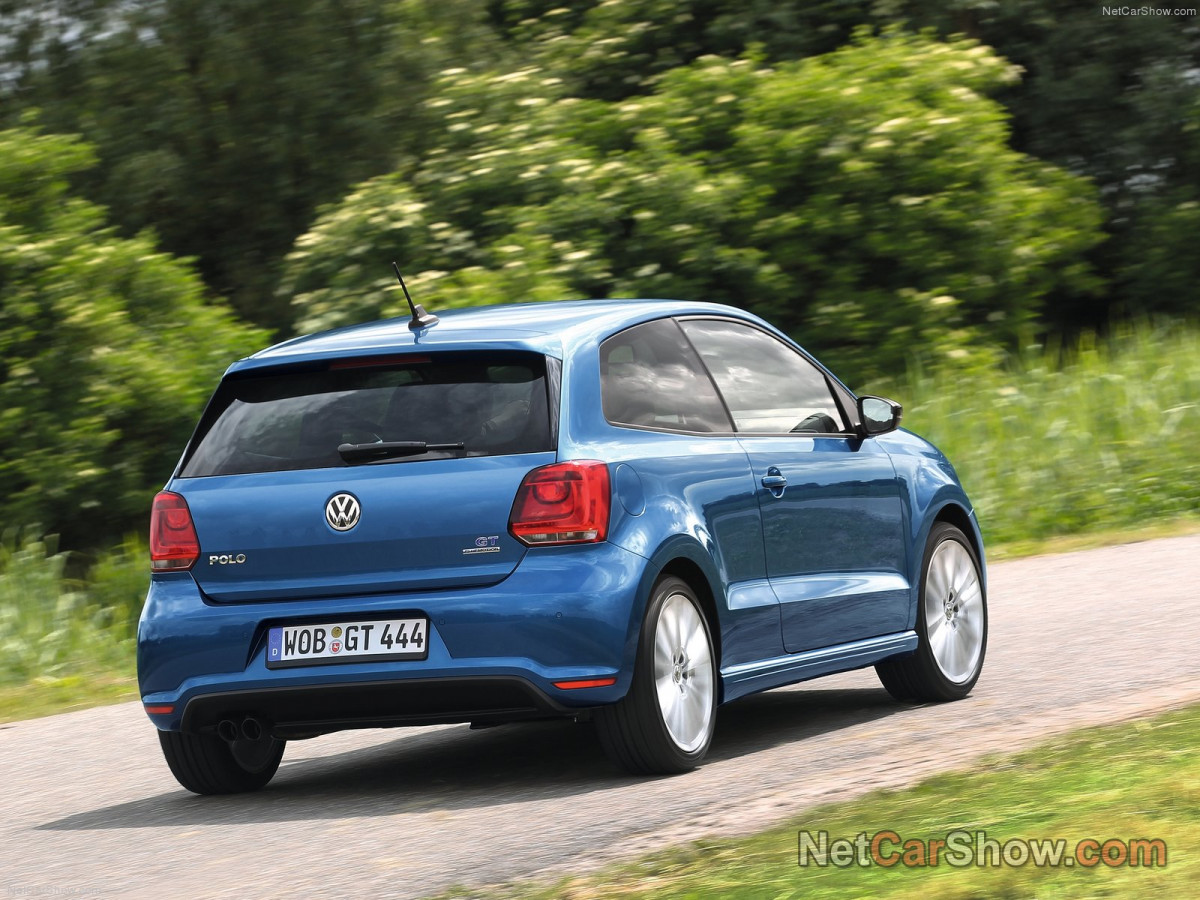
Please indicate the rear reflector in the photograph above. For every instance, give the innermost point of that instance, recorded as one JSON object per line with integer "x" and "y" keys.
{"x": 564, "y": 503}
{"x": 585, "y": 683}
{"x": 164, "y": 710}
{"x": 174, "y": 546}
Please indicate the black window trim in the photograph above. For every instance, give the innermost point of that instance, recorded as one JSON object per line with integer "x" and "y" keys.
{"x": 553, "y": 381}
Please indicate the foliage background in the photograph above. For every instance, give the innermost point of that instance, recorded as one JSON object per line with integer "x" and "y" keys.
{"x": 107, "y": 350}
{"x": 919, "y": 193}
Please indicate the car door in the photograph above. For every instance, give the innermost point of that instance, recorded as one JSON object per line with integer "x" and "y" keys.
{"x": 681, "y": 448}
{"x": 830, "y": 501}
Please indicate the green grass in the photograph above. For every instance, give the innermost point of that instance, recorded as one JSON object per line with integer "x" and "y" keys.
{"x": 1135, "y": 780}
{"x": 1103, "y": 436}
{"x": 1089, "y": 540}
{"x": 66, "y": 642}
{"x": 48, "y": 696}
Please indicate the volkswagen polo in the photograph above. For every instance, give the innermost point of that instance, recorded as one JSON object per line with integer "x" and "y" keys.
{"x": 624, "y": 511}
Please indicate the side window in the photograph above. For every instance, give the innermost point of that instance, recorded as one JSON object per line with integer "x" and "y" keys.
{"x": 650, "y": 376}
{"x": 768, "y": 386}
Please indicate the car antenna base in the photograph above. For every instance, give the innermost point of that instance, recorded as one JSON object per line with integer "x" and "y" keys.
{"x": 420, "y": 318}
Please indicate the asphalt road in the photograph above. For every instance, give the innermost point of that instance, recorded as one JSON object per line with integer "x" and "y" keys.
{"x": 89, "y": 808}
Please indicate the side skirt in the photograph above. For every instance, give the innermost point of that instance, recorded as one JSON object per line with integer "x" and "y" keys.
{"x": 761, "y": 675}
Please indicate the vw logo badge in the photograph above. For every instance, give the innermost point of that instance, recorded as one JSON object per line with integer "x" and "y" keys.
{"x": 342, "y": 511}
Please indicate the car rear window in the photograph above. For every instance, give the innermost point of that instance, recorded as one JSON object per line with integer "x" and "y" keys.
{"x": 494, "y": 403}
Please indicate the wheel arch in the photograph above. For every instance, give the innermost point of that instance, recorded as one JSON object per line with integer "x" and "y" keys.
{"x": 954, "y": 514}
{"x": 691, "y": 559}
{"x": 689, "y": 571}
{"x": 634, "y": 730}
{"x": 952, "y": 511}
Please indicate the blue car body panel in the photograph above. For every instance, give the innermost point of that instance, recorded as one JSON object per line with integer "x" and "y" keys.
{"x": 819, "y": 577}
{"x": 835, "y": 550}
{"x": 404, "y": 541}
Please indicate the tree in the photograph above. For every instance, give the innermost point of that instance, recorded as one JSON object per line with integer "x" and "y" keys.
{"x": 866, "y": 200}
{"x": 1108, "y": 96}
{"x": 612, "y": 51}
{"x": 107, "y": 351}
{"x": 1104, "y": 95}
{"x": 1159, "y": 268}
{"x": 224, "y": 124}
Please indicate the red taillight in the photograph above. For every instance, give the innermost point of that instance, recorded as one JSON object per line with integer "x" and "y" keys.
{"x": 163, "y": 709}
{"x": 566, "y": 503}
{"x": 173, "y": 542}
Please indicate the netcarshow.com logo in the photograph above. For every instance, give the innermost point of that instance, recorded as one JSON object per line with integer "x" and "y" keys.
{"x": 962, "y": 848}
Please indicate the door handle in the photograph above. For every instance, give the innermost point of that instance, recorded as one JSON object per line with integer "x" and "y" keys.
{"x": 774, "y": 481}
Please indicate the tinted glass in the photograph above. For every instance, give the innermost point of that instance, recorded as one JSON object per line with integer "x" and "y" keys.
{"x": 768, "y": 386}
{"x": 494, "y": 403}
{"x": 650, "y": 376}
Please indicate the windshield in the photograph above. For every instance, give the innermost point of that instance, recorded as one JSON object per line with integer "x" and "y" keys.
{"x": 489, "y": 403}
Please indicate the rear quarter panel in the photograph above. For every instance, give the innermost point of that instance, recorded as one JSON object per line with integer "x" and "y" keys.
{"x": 678, "y": 497}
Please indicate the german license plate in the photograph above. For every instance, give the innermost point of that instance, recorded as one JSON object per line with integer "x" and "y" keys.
{"x": 335, "y": 642}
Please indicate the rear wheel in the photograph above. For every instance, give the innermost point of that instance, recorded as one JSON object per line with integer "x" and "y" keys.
{"x": 665, "y": 723}
{"x": 952, "y": 625}
{"x": 207, "y": 764}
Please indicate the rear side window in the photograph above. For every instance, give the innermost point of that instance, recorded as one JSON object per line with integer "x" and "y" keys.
{"x": 651, "y": 377}
{"x": 494, "y": 403}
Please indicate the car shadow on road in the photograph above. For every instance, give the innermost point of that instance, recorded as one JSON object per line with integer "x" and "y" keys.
{"x": 457, "y": 768}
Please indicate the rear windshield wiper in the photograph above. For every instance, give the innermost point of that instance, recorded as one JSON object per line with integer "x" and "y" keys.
{"x": 390, "y": 449}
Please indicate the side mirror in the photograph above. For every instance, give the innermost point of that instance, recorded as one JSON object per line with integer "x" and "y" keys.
{"x": 877, "y": 415}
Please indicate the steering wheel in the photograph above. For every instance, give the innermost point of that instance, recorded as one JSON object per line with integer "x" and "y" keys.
{"x": 819, "y": 423}
{"x": 348, "y": 424}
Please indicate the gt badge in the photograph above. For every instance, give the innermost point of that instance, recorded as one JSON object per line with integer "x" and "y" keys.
{"x": 484, "y": 544}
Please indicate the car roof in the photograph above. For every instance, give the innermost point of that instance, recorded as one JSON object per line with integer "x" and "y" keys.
{"x": 546, "y": 327}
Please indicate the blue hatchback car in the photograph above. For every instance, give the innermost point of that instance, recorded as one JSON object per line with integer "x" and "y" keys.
{"x": 623, "y": 511}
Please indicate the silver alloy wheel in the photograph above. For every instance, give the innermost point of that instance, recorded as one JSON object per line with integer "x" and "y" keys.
{"x": 954, "y": 614}
{"x": 683, "y": 672}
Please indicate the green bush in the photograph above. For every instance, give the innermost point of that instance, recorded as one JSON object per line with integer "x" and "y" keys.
{"x": 865, "y": 200}
{"x": 108, "y": 351}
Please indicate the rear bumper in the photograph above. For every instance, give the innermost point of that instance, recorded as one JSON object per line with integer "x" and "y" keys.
{"x": 494, "y": 653}
{"x": 309, "y": 709}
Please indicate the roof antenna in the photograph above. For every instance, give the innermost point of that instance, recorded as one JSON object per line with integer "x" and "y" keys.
{"x": 420, "y": 318}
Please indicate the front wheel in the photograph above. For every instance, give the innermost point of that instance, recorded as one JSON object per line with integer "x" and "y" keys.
{"x": 952, "y": 625}
{"x": 207, "y": 764}
{"x": 665, "y": 723}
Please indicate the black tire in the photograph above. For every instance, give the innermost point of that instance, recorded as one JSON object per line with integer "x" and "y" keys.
{"x": 206, "y": 764}
{"x": 634, "y": 731}
{"x": 921, "y": 677}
